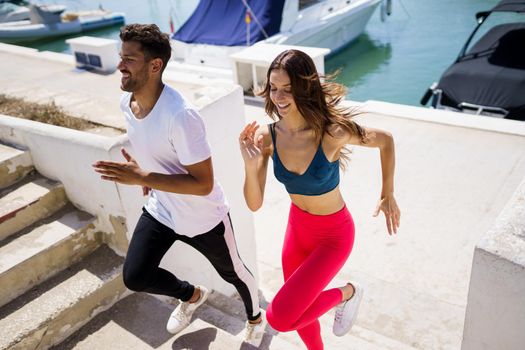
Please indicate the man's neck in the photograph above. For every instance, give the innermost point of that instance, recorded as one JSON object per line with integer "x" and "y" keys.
{"x": 143, "y": 101}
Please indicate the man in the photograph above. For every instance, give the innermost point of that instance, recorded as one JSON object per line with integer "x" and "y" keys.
{"x": 185, "y": 202}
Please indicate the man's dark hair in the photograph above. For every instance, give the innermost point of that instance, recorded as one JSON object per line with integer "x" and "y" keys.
{"x": 154, "y": 43}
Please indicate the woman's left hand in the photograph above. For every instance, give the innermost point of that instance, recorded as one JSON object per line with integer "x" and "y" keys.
{"x": 392, "y": 213}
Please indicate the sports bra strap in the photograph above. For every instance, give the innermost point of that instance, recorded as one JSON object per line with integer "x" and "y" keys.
{"x": 272, "y": 132}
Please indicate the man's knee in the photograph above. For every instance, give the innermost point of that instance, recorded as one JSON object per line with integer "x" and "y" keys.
{"x": 135, "y": 279}
{"x": 236, "y": 275}
{"x": 229, "y": 276}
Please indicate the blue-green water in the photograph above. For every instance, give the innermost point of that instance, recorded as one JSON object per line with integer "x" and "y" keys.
{"x": 394, "y": 61}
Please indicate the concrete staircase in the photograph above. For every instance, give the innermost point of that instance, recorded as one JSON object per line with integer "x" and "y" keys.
{"x": 55, "y": 272}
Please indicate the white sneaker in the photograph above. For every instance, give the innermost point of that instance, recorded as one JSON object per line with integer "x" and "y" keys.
{"x": 346, "y": 312}
{"x": 180, "y": 317}
{"x": 254, "y": 332}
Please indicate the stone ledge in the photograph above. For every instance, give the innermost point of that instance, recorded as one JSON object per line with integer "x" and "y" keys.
{"x": 507, "y": 237}
{"x": 495, "y": 316}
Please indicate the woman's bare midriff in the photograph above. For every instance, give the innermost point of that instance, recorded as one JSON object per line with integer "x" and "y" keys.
{"x": 324, "y": 204}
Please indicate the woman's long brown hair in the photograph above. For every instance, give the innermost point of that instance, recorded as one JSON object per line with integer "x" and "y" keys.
{"x": 318, "y": 102}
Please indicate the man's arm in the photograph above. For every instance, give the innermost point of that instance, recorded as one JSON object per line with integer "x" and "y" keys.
{"x": 198, "y": 181}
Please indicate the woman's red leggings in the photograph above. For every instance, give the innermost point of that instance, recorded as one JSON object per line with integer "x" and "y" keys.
{"x": 315, "y": 249}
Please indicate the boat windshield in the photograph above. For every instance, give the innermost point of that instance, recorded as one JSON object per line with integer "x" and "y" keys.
{"x": 307, "y": 3}
{"x": 7, "y": 7}
{"x": 496, "y": 22}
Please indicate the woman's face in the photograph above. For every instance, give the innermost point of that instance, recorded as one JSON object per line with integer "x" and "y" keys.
{"x": 281, "y": 93}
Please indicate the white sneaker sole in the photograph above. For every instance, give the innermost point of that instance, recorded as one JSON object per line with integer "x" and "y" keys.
{"x": 204, "y": 296}
{"x": 351, "y": 306}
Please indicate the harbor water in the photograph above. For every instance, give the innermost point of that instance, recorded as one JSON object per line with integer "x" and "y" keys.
{"x": 393, "y": 61}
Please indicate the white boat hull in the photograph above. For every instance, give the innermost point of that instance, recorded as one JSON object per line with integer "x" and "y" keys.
{"x": 334, "y": 32}
{"x": 20, "y": 31}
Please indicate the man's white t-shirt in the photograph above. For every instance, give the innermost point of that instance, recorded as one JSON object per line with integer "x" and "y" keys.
{"x": 170, "y": 136}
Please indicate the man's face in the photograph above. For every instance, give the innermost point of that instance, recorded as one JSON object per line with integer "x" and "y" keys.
{"x": 133, "y": 66}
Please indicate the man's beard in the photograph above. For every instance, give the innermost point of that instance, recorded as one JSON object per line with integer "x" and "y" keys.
{"x": 134, "y": 84}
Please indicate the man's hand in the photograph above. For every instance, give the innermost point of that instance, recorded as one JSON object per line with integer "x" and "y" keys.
{"x": 128, "y": 173}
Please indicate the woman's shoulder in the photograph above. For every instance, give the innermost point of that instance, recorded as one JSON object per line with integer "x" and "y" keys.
{"x": 337, "y": 134}
{"x": 265, "y": 131}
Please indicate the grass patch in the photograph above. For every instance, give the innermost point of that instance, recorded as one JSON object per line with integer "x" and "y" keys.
{"x": 48, "y": 113}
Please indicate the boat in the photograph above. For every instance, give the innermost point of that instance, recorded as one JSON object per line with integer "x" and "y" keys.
{"x": 13, "y": 10}
{"x": 488, "y": 77}
{"x": 216, "y": 29}
{"x": 48, "y": 21}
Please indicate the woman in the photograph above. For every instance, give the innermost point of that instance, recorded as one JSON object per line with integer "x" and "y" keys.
{"x": 307, "y": 144}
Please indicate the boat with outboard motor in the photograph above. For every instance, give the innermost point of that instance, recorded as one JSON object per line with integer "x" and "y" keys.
{"x": 216, "y": 29}
{"x": 50, "y": 21}
{"x": 488, "y": 77}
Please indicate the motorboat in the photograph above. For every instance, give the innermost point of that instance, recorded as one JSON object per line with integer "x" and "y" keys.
{"x": 50, "y": 21}
{"x": 488, "y": 77}
{"x": 217, "y": 29}
{"x": 12, "y": 10}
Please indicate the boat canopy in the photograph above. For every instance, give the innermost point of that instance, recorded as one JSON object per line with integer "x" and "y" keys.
{"x": 510, "y": 6}
{"x": 224, "y": 22}
{"x": 491, "y": 73}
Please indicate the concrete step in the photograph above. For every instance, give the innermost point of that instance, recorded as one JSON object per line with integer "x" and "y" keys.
{"x": 358, "y": 338}
{"x": 391, "y": 315}
{"x": 23, "y": 205}
{"x": 49, "y": 313}
{"x": 138, "y": 322}
{"x": 41, "y": 251}
{"x": 400, "y": 314}
{"x": 14, "y": 165}
{"x": 233, "y": 324}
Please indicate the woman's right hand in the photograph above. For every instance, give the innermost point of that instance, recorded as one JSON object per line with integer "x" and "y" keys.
{"x": 251, "y": 149}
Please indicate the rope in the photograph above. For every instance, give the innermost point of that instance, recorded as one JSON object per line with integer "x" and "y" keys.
{"x": 255, "y": 18}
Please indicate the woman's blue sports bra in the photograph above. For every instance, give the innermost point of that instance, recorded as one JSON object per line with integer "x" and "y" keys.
{"x": 320, "y": 177}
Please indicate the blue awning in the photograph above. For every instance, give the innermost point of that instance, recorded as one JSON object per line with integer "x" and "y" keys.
{"x": 223, "y": 22}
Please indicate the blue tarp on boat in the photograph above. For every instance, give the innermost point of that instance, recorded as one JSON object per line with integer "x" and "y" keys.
{"x": 223, "y": 22}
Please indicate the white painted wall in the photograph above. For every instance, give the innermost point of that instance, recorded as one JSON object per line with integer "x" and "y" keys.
{"x": 66, "y": 155}
{"x": 495, "y": 316}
